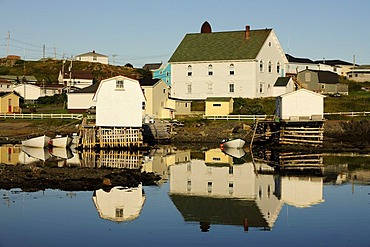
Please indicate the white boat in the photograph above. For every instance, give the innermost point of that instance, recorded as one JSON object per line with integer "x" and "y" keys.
{"x": 233, "y": 143}
{"x": 37, "y": 142}
{"x": 61, "y": 141}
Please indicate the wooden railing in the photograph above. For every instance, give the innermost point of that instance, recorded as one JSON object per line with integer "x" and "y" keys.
{"x": 44, "y": 116}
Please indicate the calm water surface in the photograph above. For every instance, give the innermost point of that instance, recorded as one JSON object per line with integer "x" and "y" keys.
{"x": 205, "y": 199}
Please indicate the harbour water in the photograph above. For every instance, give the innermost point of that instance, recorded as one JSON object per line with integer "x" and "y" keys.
{"x": 205, "y": 198}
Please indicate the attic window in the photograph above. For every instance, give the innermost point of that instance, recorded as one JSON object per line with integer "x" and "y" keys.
{"x": 231, "y": 69}
{"x": 190, "y": 70}
{"x": 119, "y": 84}
{"x": 278, "y": 67}
{"x": 210, "y": 69}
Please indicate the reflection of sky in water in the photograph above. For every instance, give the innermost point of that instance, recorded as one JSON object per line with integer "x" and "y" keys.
{"x": 56, "y": 218}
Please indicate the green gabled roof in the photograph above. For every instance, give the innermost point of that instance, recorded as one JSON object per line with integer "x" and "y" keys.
{"x": 220, "y": 46}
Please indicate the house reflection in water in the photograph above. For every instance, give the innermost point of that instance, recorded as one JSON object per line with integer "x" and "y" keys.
{"x": 221, "y": 190}
{"x": 214, "y": 191}
{"x": 120, "y": 203}
{"x": 9, "y": 154}
{"x": 161, "y": 158}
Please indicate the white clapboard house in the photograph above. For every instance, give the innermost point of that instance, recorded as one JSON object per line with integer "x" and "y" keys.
{"x": 233, "y": 64}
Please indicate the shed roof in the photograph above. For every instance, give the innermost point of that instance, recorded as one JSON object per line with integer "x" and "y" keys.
{"x": 301, "y": 91}
{"x": 219, "y": 99}
{"x": 148, "y": 82}
{"x": 152, "y": 66}
{"x": 282, "y": 81}
{"x": 89, "y": 89}
{"x": 231, "y": 45}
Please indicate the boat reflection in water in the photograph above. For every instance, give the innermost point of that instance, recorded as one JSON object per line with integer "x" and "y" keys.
{"x": 120, "y": 203}
{"x": 225, "y": 190}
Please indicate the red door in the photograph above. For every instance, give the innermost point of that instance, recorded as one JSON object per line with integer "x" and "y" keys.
{"x": 9, "y": 105}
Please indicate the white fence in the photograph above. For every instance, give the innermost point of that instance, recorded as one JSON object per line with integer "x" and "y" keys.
{"x": 348, "y": 114}
{"x": 261, "y": 117}
{"x": 238, "y": 117}
{"x": 44, "y": 116}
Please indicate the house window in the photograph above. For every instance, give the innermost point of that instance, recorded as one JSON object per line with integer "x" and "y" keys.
{"x": 210, "y": 69}
{"x": 270, "y": 67}
{"x": 95, "y": 58}
{"x": 119, "y": 212}
{"x": 167, "y": 73}
{"x": 322, "y": 86}
{"x": 217, "y": 105}
{"x": 261, "y": 87}
{"x": 278, "y": 67}
{"x": 164, "y": 90}
{"x": 231, "y": 88}
{"x": 231, "y": 188}
{"x": 209, "y": 187}
{"x": 119, "y": 85}
{"x": 190, "y": 70}
{"x": 231, "y": 69}
{"x": 216, "y": 158}
{"x": 188, "y": 186}
{"x": 143, "y": 105}
{"x": 261, "y": 66}
{"x": 189, "y": 88}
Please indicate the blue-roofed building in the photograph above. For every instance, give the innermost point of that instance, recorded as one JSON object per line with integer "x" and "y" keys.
{"x": 163, "y": 73}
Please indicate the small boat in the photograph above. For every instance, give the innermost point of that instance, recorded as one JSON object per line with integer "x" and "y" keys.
{"x": 60, "y": 152}
{"x": 233, "y": 143}
{"x": 61, "y": 141}
{"x": 37, "y": 142}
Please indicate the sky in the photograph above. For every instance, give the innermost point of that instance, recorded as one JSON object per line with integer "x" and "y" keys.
{"x": 147, "y": 31}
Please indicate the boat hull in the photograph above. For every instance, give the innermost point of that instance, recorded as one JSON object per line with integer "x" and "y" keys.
{"x": 61, "y": 142}
{"x": 235, "y": 143}
{"x": 37, "y": 142}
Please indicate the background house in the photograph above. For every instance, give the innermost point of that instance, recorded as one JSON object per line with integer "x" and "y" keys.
{"x": 163, "y": 73}
{"x": 152, "y": 66}
{"x": 226, "y": 64}
{"x": 31, "y": 92}
{"x": 81, "y": 100}
{"x": 119, "y": 103}
{"x": 9, "y": 102}
{"x": 92, "y": 57}
{"x": 6, "y": 85}
{"x": 359, "y": 73}
{"x": 300, "y": 105}
{"x": 219, "y": 106}
{"x": 158, "y": 104}
{"x": 76, "y": 79}
{"x": 319, "y": 81}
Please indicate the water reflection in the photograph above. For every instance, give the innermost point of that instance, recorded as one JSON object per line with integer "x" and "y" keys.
{"x": 119, "y": 204}
{"x": 213, "y": 187}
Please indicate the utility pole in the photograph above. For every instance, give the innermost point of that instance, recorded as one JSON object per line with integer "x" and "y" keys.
{"x": 43, "y": 53}
{"x": 7, "y": 47}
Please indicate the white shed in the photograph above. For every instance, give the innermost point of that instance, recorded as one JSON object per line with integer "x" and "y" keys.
{"x": 300, "y": 105}
{"x": 119, "y": 103}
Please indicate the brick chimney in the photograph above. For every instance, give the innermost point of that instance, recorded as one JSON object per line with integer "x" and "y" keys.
{"x": 247, "y": 32}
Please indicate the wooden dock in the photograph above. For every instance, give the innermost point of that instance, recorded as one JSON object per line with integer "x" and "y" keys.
{"x": 95, "y": 137}
{"x": 305, "y": 132}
